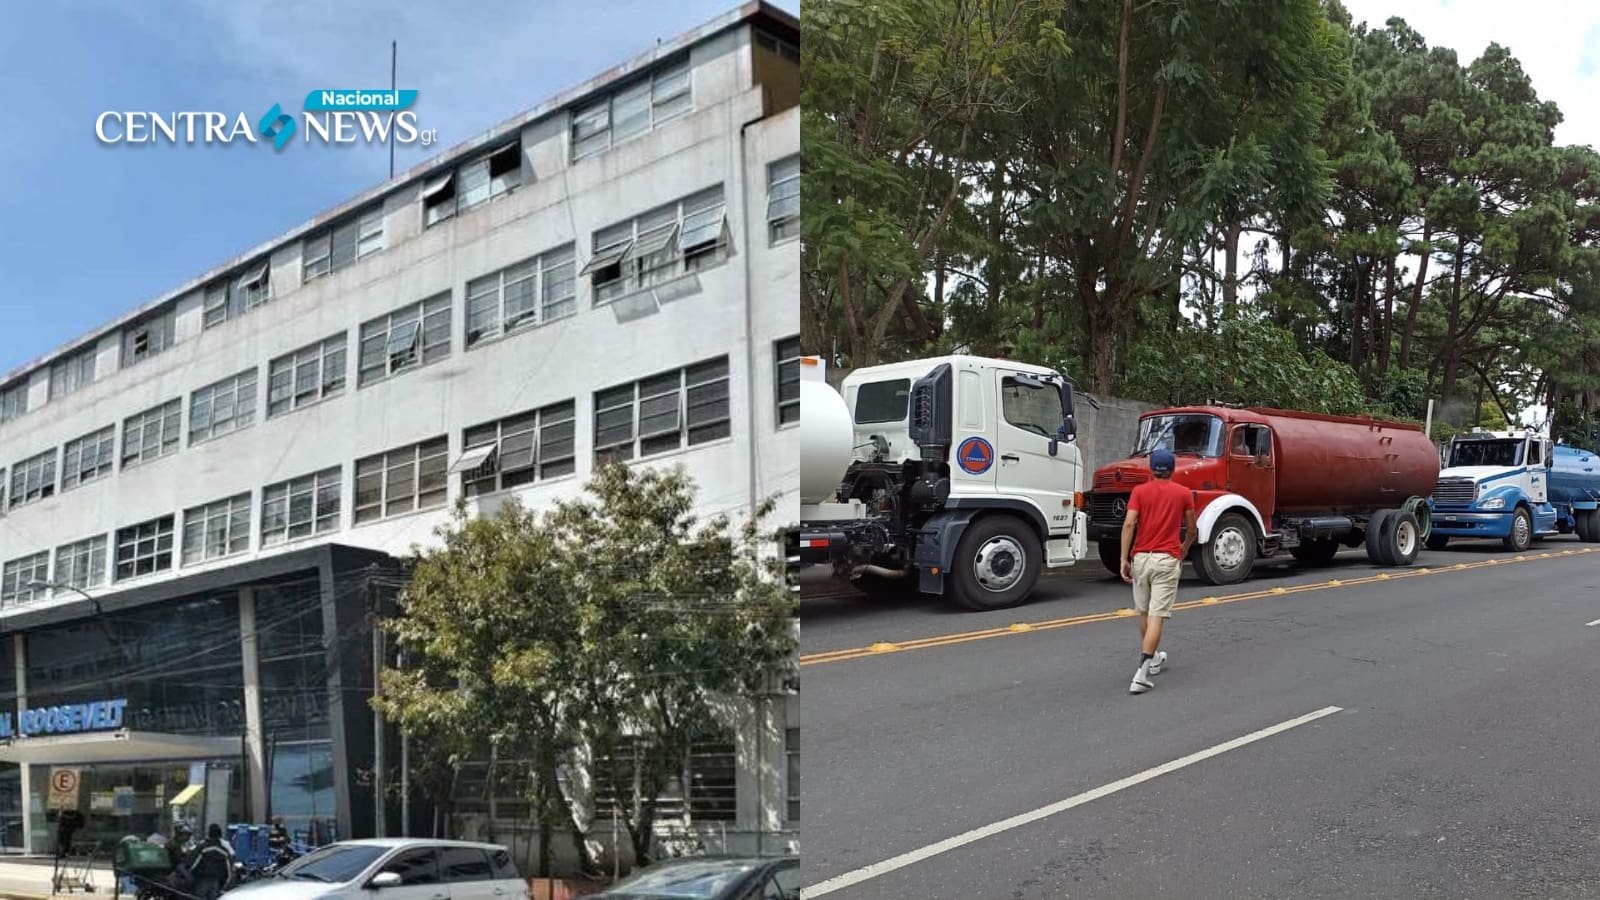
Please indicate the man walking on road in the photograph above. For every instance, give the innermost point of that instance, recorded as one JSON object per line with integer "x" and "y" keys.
{"x": 1157, "y": 510}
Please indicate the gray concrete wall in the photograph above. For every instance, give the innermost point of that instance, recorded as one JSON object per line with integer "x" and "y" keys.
{"x": 1104, "y": 435}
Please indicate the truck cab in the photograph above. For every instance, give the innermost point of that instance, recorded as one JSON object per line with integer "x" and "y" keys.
{"x": 963, "y": 478}
{"x": 1013, "y": 433}
{"x": 1499, "y": 485}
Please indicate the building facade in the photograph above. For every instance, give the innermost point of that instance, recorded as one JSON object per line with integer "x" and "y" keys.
{"x": 202, "y": 503}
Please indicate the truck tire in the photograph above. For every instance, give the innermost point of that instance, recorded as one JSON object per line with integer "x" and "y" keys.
{"x": 1231, "y": 552}
{"x": 1588, "y": 525}
{"x": 996, "y": 565}
{"x": 1401, "y": 538}
{"x": 1111, "y": 556}
{"x": 1374, "y": 540}
{"x": 1521, "y": 536}
{"x": 1438, "y": 541}
{"x": 1316, "y": 553}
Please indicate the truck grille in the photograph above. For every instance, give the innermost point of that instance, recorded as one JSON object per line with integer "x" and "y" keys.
{"x": 1103, "y": 507}
{"x": 1128, "y": 477}
{"x": 1455, "y": 492}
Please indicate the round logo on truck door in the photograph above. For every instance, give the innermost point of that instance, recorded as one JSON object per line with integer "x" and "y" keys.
{"x": 975, "y": 455}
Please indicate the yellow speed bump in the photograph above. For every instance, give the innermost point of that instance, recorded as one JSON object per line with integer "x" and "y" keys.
{"x": 884, "y": 647}
{"x": 1020, "y": 626}
{"x": 1125, "y": 612}
{"x": 1334, "y": 582}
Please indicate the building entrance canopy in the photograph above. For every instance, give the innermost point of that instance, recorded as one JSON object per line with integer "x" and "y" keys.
{"x": 115, "y": 747}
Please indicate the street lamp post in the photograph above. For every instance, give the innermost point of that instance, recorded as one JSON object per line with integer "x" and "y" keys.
{"x": 99, "y": 611}
{"x": 58, "y": 586}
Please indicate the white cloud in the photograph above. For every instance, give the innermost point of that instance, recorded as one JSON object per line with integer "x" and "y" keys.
{"x": 1557, "y": 42}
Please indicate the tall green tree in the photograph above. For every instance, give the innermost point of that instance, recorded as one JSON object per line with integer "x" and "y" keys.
{"x": 894, "y": 97}
{"x": 620, "y": 617}
{"x": 675, "y": 615}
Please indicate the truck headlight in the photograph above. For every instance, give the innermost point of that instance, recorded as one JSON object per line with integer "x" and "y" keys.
{"x": 1493, "y": 503}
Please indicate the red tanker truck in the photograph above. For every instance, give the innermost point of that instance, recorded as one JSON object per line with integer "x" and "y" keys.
{"x": 1270, "y": 480}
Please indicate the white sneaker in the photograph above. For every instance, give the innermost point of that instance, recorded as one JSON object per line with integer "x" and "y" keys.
{"x": 1141, "y": 680}
{"x": 1156, "y": 662}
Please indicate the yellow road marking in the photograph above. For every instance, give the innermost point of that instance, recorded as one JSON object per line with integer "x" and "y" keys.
{"x": 829, "y": 656}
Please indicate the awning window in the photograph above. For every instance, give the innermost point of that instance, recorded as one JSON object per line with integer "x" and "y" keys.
{"x": 610, "y": 256}
{"x": 476, "y": 458}
{"x": 652, "y": 244}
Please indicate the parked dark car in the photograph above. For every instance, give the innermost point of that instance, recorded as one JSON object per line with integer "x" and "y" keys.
{"x": 712, "y": 878}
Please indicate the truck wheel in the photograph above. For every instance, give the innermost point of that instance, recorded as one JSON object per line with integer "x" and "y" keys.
{"x": 1316, "y": 553}
{"x": 1401, "y": 538}
{"x": 1438, "y": 541}
{"x": 1228, "y": 556}
{"x": 997, "y": 563}
{"x": 1375, "y": 537}
{"x": 1111, "y": 556}
{"x": 1588, "y": 525}
{"x": 1521, "y": 536}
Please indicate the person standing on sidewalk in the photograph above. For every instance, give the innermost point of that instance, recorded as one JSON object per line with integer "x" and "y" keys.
{"x": 1156, "y": 537}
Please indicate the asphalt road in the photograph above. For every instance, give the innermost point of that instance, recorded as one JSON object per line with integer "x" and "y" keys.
{"x": 1463, "y": 759}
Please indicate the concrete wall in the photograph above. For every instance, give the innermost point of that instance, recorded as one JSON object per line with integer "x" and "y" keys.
{"x": 1106, "y": 434}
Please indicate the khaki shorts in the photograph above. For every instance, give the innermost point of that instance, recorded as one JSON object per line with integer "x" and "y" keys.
{"x": 1155, "y": 583}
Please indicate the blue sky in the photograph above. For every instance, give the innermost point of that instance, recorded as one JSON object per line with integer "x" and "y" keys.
{"x": 90, "y": 231}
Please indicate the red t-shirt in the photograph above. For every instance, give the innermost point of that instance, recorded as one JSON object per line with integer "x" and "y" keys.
{"x": 1161, "y": 503}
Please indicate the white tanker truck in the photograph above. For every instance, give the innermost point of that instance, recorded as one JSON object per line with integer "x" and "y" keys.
{"x": 956, "y": 475}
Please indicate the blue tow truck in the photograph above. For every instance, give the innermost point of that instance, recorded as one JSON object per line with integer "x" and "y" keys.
{"x": 1517, "y": 487}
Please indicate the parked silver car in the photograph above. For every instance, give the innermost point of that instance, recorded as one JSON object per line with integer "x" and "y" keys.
{"x": 395, "y": 869}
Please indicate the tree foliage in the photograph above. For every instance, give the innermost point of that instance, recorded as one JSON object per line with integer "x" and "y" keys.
{"x": 552, "y": 638}
{"x": 1137, "y": 176}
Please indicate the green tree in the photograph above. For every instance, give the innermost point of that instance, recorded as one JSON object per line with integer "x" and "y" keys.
{"x": 618, "y": 617}
{"x": 1161, "y": 118}
{"x": 489, "y": 630}
{"x": 894, "y": 97}
{"x": 677, "y": 614}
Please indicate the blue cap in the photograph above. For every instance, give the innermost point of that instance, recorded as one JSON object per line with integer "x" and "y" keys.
{"x": 1162, "y": 460}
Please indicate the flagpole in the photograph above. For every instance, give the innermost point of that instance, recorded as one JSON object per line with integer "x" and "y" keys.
{"x": 394, "y": 54}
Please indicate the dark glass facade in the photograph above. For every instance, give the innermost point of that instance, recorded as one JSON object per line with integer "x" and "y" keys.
{"x": 12, "y": 803}
{"x": 179, "y": 666}
{"x": 295, "y": 709}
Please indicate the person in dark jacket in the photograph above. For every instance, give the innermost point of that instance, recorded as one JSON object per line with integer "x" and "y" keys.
{"x": 278, "y": 843}
{"x": 211, "y": 865}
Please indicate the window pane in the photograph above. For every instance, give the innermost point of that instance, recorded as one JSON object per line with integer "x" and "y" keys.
{"x": 474, "y": 184}
{"x": 630, "y": 112}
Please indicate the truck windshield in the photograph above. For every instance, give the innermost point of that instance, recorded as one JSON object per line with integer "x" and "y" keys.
{"x": 1036, "y": 409}
{"x": 1192, "y": 433}
{"x": 1486, "y": 453}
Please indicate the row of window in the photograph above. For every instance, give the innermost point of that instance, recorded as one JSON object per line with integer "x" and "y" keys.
{"x": 666, "y": 412}
{"x": 652, "y": 249}
{"x": 642, "y": 418}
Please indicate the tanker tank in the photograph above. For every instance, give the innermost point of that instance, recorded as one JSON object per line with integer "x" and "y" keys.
{"x": 1574, "y": 476}
{"x": 1344, "y": 465}
{"x": 826, "y": 435}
